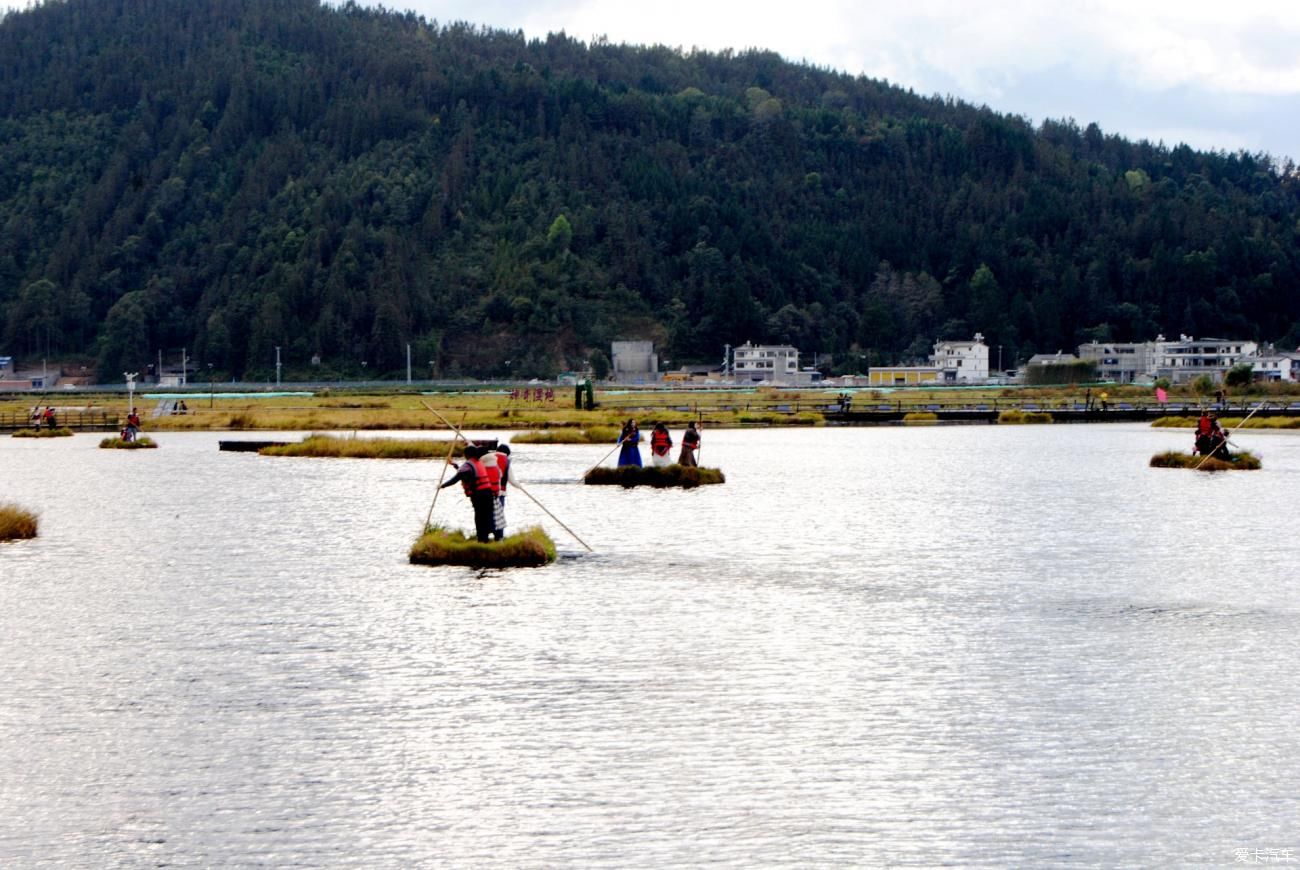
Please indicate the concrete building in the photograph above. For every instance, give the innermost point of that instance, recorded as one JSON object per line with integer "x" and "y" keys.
{"x": 756, "y": 363}
{"x": 634, "y": 362}
{"x": 1270, "y": 365}
{"x": 1122, "y": 362}
{"x": 902, "y": 376}
{"x": 1188, "y": 358}
{"x": 962, "y": 361}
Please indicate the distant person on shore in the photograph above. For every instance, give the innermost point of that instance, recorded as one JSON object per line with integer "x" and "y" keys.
{"x": 690, "y": 443}
{"x": 661, "y": 443}
{"x": 473, "y": 477}
{"x": 630, "y": 438}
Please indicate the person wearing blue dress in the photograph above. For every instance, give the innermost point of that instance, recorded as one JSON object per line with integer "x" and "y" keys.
{"x": 630, "y": 453}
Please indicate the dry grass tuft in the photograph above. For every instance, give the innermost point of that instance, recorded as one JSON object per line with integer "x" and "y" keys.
{"x": 16, "y": 523}
{"x": 529, "y": 548}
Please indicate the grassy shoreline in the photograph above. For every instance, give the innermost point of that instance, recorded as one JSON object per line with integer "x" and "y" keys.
{"x": 330, "y": 446}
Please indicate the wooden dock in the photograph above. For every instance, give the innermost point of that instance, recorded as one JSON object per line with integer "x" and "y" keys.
{"x": 78, "y": 420}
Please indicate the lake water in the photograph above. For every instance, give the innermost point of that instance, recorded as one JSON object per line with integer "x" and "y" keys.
{"x": 998, "y": 646}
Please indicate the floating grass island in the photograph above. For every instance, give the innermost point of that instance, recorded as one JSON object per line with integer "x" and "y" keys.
{"x": 141, "y": 442}
{"x": 61, "y": 432}
{"x": 1241, "y": 461}
{"x": 628, "y": 476}
{"x": 593, "y": 435}
{"x": 1015, "y": 417}
{"x": 365, "y": 448}
{"x": 16, "y": 523}
{"x": 529, "y": 548}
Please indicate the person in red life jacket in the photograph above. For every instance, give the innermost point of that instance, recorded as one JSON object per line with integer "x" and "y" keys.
{"x": 496, "y": 464}
{"x": 503, "y": 465}
{"x": 690, "y": 443}
{"x": 1204, "y": 435}
{"x": 660, "y": 444}
{"x": 50, "y": 421}
{"x": 473, "y": 476}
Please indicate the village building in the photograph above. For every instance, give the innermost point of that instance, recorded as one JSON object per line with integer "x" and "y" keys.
{"x": 962, "y": 361}
{"x": 634, "y": 362}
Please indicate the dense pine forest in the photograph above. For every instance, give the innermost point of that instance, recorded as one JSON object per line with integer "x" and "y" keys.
{"x": 234, "y": 176}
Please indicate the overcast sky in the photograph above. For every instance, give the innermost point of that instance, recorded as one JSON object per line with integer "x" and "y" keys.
{"x": 1214, "y": 75}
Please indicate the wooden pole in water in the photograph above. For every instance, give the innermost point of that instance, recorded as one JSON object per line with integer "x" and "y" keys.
{"x": 1239, "y": 425}
{"x": 441, "y": 475}
{"x": 514, "y": 483}
{"x": 617, "y": 444}
{"x": 520, "y": 487}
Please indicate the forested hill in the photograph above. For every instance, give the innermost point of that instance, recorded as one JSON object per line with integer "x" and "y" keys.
{"x": 237, "y": 175}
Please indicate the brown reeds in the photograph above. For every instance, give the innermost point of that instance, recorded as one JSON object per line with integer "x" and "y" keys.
{"x": 668, "y": 476}
{"x": 16, "y": 523}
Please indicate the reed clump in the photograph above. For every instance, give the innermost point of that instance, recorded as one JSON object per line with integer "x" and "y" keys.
{"x": 529, "y": 548}
{"x": 140, "y": 443}
{"x": 16, "y": 523}
{"x": 327, "y": 446}
{"x": 61, "y": 432}
{"x": 920, "y": 418}
{"x": 565, "y": 435}
{"x": 1015, "y": 417}
{"x": 628, "y": 476}
{"x": 1242, "y": 460}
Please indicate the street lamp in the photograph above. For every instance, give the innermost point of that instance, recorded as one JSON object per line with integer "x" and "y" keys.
{"x": 130, "y": 391}
{"x": 211, "y": 385}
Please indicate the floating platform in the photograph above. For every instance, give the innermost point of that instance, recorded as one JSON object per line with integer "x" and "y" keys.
{"x": 1242, "y": 460}
{"x": 140, "y": 443}
{"x": 530, "y": 548}
{"x": 248, "y": 446}
{"x": 665, "y": 477}
{"x": 61, "y": 432}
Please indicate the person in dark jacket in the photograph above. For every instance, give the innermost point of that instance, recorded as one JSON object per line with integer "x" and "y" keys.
{"x": 478, "y": 486}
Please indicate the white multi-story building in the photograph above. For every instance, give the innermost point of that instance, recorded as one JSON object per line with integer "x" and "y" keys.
{"x": 1188, "y": 358}
{"x": 1273, "y": 366}
{"x": 1123, "y": 362}
{"x": 962, "y": 361}
{"x": 765, "y": 362}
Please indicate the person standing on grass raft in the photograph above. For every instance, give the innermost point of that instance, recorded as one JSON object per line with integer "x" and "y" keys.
{"x": 630, "y": 453}
{"x": 690, "y": 443}
{"x": 473, "y": 476}
{"x": 661, "y": 444}
{"x": 497, "y": 463}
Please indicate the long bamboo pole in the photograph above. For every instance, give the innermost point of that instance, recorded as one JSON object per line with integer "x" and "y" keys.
{"x": 513, "y": 483}
{"x": 617, "y": 445}
{"x": 441, "y": 475}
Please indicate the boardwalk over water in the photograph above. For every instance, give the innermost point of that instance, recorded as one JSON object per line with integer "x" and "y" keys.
{"x": 76, "y": 419}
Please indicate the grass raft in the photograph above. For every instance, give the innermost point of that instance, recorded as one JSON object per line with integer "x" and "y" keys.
{"x": 1241, "y": 461}
{"x": 365, "y": 448}
{"x": 628, "y": 476}
{"x": 140, "y": 443}
{"x": 61, "y": 432}
{"x": 529, "y": 548}
{"x": 16, "y": 523}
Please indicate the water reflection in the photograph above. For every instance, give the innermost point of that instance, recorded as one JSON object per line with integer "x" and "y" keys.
{"x": 947, "y": 645}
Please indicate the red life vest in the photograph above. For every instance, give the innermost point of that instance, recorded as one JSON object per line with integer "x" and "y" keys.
{"x": 503, "y": 466}
{"x": 481, "y": 480}
{"x": 493, "y": 470}
{"x": 660, "y": 442}
{"x": 1203, "y": 426}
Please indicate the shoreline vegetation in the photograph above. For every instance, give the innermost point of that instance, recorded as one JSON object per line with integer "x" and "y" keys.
{"x": 488, "y": 407}
{"x": 16, "y": 523}
{"x": 592, "y": 435}
{"x": 1176, "y": 422}
{"x": 330, "y": 446}
{"x": 141, "y": 442}
{"x": 1242, "y": 460}
{"x": 668, "y": 476}
{"x": 528, "y": 548}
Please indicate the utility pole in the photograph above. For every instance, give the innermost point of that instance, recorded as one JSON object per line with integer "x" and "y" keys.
{"x": 185, "y": 367}
{"x": 277, "y": 365}
{"x": 130, "y": 391}
{"x": 726, "y": 361}
{"x": 408, "y": 362}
